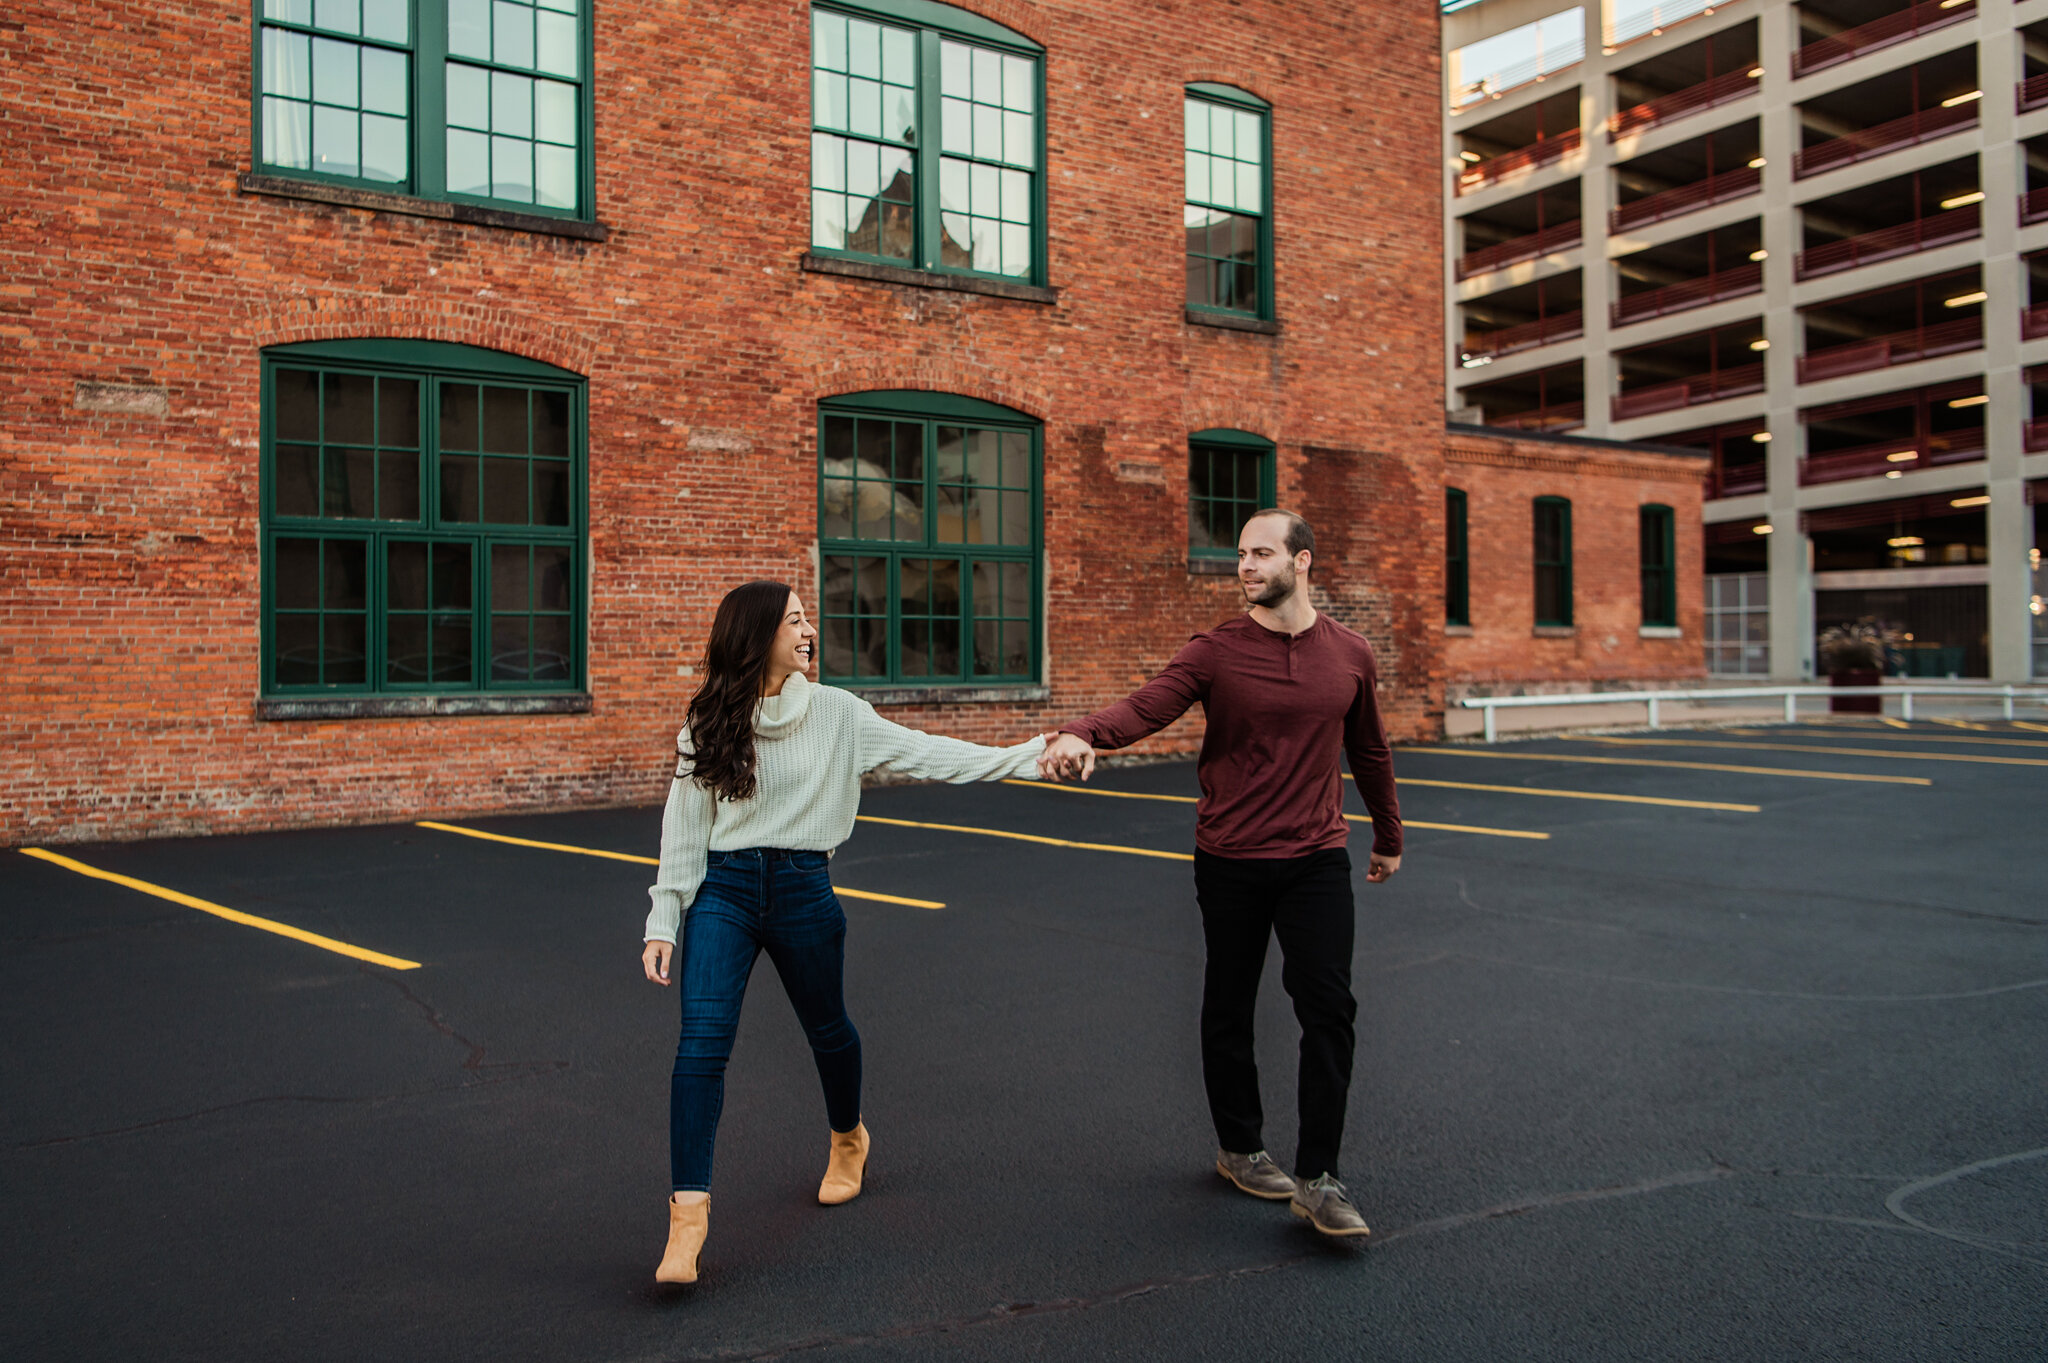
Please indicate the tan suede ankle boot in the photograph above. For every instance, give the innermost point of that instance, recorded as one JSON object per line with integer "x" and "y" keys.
{"x": 848, "y": 1165}
{"x": 688, "y": 1224}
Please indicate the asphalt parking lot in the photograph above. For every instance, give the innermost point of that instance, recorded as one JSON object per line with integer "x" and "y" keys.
{"x": 1716, "y": 1044}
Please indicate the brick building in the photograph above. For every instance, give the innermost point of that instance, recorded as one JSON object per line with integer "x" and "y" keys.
{"x": 391, "y": 387}
{"x": 1572, "y": 562}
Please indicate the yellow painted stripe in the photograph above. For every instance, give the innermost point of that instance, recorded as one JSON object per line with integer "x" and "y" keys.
{"x": 1895, "y": 723}
{"x": 839, "y": 890}
{"x": 1829, "y": 752}
{"x": 1868, "y": 736}
{"x": 1354, "y": 818}
{"x": 1679, "y": 766}
{"x": 2037, "y": 728}
{"x": 1027, "y": 837}
{"x": 248, "y": 920}
{"x": 1665, "y": 800}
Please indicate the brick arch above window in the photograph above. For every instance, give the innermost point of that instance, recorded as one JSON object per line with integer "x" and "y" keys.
{"x": 929, "y": 376}
{"x": 1206, "y": 412}
{"x": 487, "y": 326}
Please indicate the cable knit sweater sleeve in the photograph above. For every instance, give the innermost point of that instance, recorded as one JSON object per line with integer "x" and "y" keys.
{"x": 932, "y": 757}
{"x": 685, "y": 838}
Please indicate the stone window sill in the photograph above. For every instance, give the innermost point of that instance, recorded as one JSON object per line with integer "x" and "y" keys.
{"x": 1211, "y": 567}
{"x": 1660, "y": 632}
{"x": 1265, "y": 326}
{"x": 1556, "y": 631}
{"x": 419, "y": 707}
{"x": 346, "y": 196}
{"x": 951, "y": 695}
{"x": 1458, "y": 631}
{"x": 928, "y": 279}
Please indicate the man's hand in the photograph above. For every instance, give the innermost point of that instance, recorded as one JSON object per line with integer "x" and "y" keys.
{"x": 1065, "y": 758}
{"x": 654, "y": 959}
{"x": 1381, "y": 868}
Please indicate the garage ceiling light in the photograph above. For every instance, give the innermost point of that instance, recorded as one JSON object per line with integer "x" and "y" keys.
{"x": 1975, "y": 196}
{"x": 1963, "y": 300}
{"x": 1953, "y": 100}
{"x": 1969, "y": 501}
{"x": 1978, "y": 401}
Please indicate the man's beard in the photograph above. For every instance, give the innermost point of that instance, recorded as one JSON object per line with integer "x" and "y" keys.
{"x": 1277, "y": 589}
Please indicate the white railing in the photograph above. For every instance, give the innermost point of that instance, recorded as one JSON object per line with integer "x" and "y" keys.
{"x": 1791, "y": 694}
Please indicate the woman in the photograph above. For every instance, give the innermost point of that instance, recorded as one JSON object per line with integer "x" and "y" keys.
{"x": 767, "y": 784}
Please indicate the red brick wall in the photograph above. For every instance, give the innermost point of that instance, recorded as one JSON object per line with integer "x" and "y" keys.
{"x": 1606, "y": 484}
{"x": 129, "y": 603}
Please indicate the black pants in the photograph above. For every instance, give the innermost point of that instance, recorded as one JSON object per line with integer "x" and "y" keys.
{"x": 1306, "y": 902}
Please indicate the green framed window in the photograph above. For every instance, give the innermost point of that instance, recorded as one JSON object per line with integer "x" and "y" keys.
{"x": 1457, "y": 561}
{"x": 930, "y": 540}
{"x": 1230, "y": 476}
{"x": 1229, "y": 201}
{"x": 484, "y": 101}
{"x": 1657, "y": 534}
{"x": 927, "y": 139}
{"x": 422, "y": 520}
{"x": 1553, "y": 546}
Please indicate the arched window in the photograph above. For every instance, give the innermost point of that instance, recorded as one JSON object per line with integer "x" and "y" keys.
{"x": 927, "y": 139}
{"x": 1553, "y": 561}
{"x": 1228, "y": 213}
{"x": 423, "y": 521}
{"x": 1230, "y": 475}
{"x": 930, "y": 540}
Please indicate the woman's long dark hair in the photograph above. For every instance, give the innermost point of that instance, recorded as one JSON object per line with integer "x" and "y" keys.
{"x": 721, "y": 714}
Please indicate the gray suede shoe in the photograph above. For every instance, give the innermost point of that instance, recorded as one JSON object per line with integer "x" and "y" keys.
{"x": 1256, "y": 1174}
{"x": 1324, "y": 1204}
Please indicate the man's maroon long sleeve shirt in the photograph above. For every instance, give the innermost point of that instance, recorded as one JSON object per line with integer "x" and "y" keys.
{"x": 1280, "y": 707}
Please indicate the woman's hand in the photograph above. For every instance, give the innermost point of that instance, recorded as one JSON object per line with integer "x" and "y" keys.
{"x": 654, "y": 958}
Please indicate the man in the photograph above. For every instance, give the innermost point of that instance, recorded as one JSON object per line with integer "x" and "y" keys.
{"x": 1284, "y": 688}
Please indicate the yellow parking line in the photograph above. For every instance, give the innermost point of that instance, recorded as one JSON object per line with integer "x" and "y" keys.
{"x": 1680, "y": 766}
{"x": 1665, "y": 800}
{"x": 1027, "y": 837}
{"x": 1829, "y": 752}
{"x": 2036, "y": 728}
{"x": 1913, "y": 738}
{"x": 1354, "y": 818}
{"x": 839, "y": 890}
{"x": 248, "y": 920}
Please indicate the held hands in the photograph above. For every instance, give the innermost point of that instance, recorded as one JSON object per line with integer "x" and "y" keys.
{"x": 654, "y": 958}
{"x": 1065, "y": 758}
{"x": 1381, "y": 868}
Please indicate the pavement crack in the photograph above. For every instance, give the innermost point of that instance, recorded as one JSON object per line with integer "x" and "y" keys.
{"x": 1523, "y": 1206}
{"x": 1324, "y": 1250}
{"x": 472, "y": 1063}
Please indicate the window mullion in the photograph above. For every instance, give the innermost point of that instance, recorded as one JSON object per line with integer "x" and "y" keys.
{"x": 430, "y": 97}
{"x": 926, "y": 213}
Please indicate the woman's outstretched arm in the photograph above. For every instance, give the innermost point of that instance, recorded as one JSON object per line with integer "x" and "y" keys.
{"x": 685, "y": 839}
{"x": 933, "y": 757}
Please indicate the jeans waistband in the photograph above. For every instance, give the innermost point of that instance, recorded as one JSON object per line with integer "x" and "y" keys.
{"x": 773, "y": 853}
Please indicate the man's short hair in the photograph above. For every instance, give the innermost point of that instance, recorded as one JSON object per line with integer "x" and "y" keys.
{"x": 1300, "y": 534}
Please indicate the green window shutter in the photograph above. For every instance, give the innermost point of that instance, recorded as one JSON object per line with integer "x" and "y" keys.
{"x": 1553, "y": 561}
{"x": 927, "y": 140}
{"x": 1659, "y": 554}
{"x": 1229, "y": 190}
{"x": 930, "y": 541}
{"x": 1457, "y": 561}
{"x": 484, "y": 101}
{"x": 422, "y": 521}
{"x": 1231, "y": 475}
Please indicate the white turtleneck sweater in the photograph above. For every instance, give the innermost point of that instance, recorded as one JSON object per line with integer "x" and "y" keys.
{"x": 812, "y": 744}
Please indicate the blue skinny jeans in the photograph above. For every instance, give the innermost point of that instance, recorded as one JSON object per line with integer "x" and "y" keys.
{"x": 760, "y": 899}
